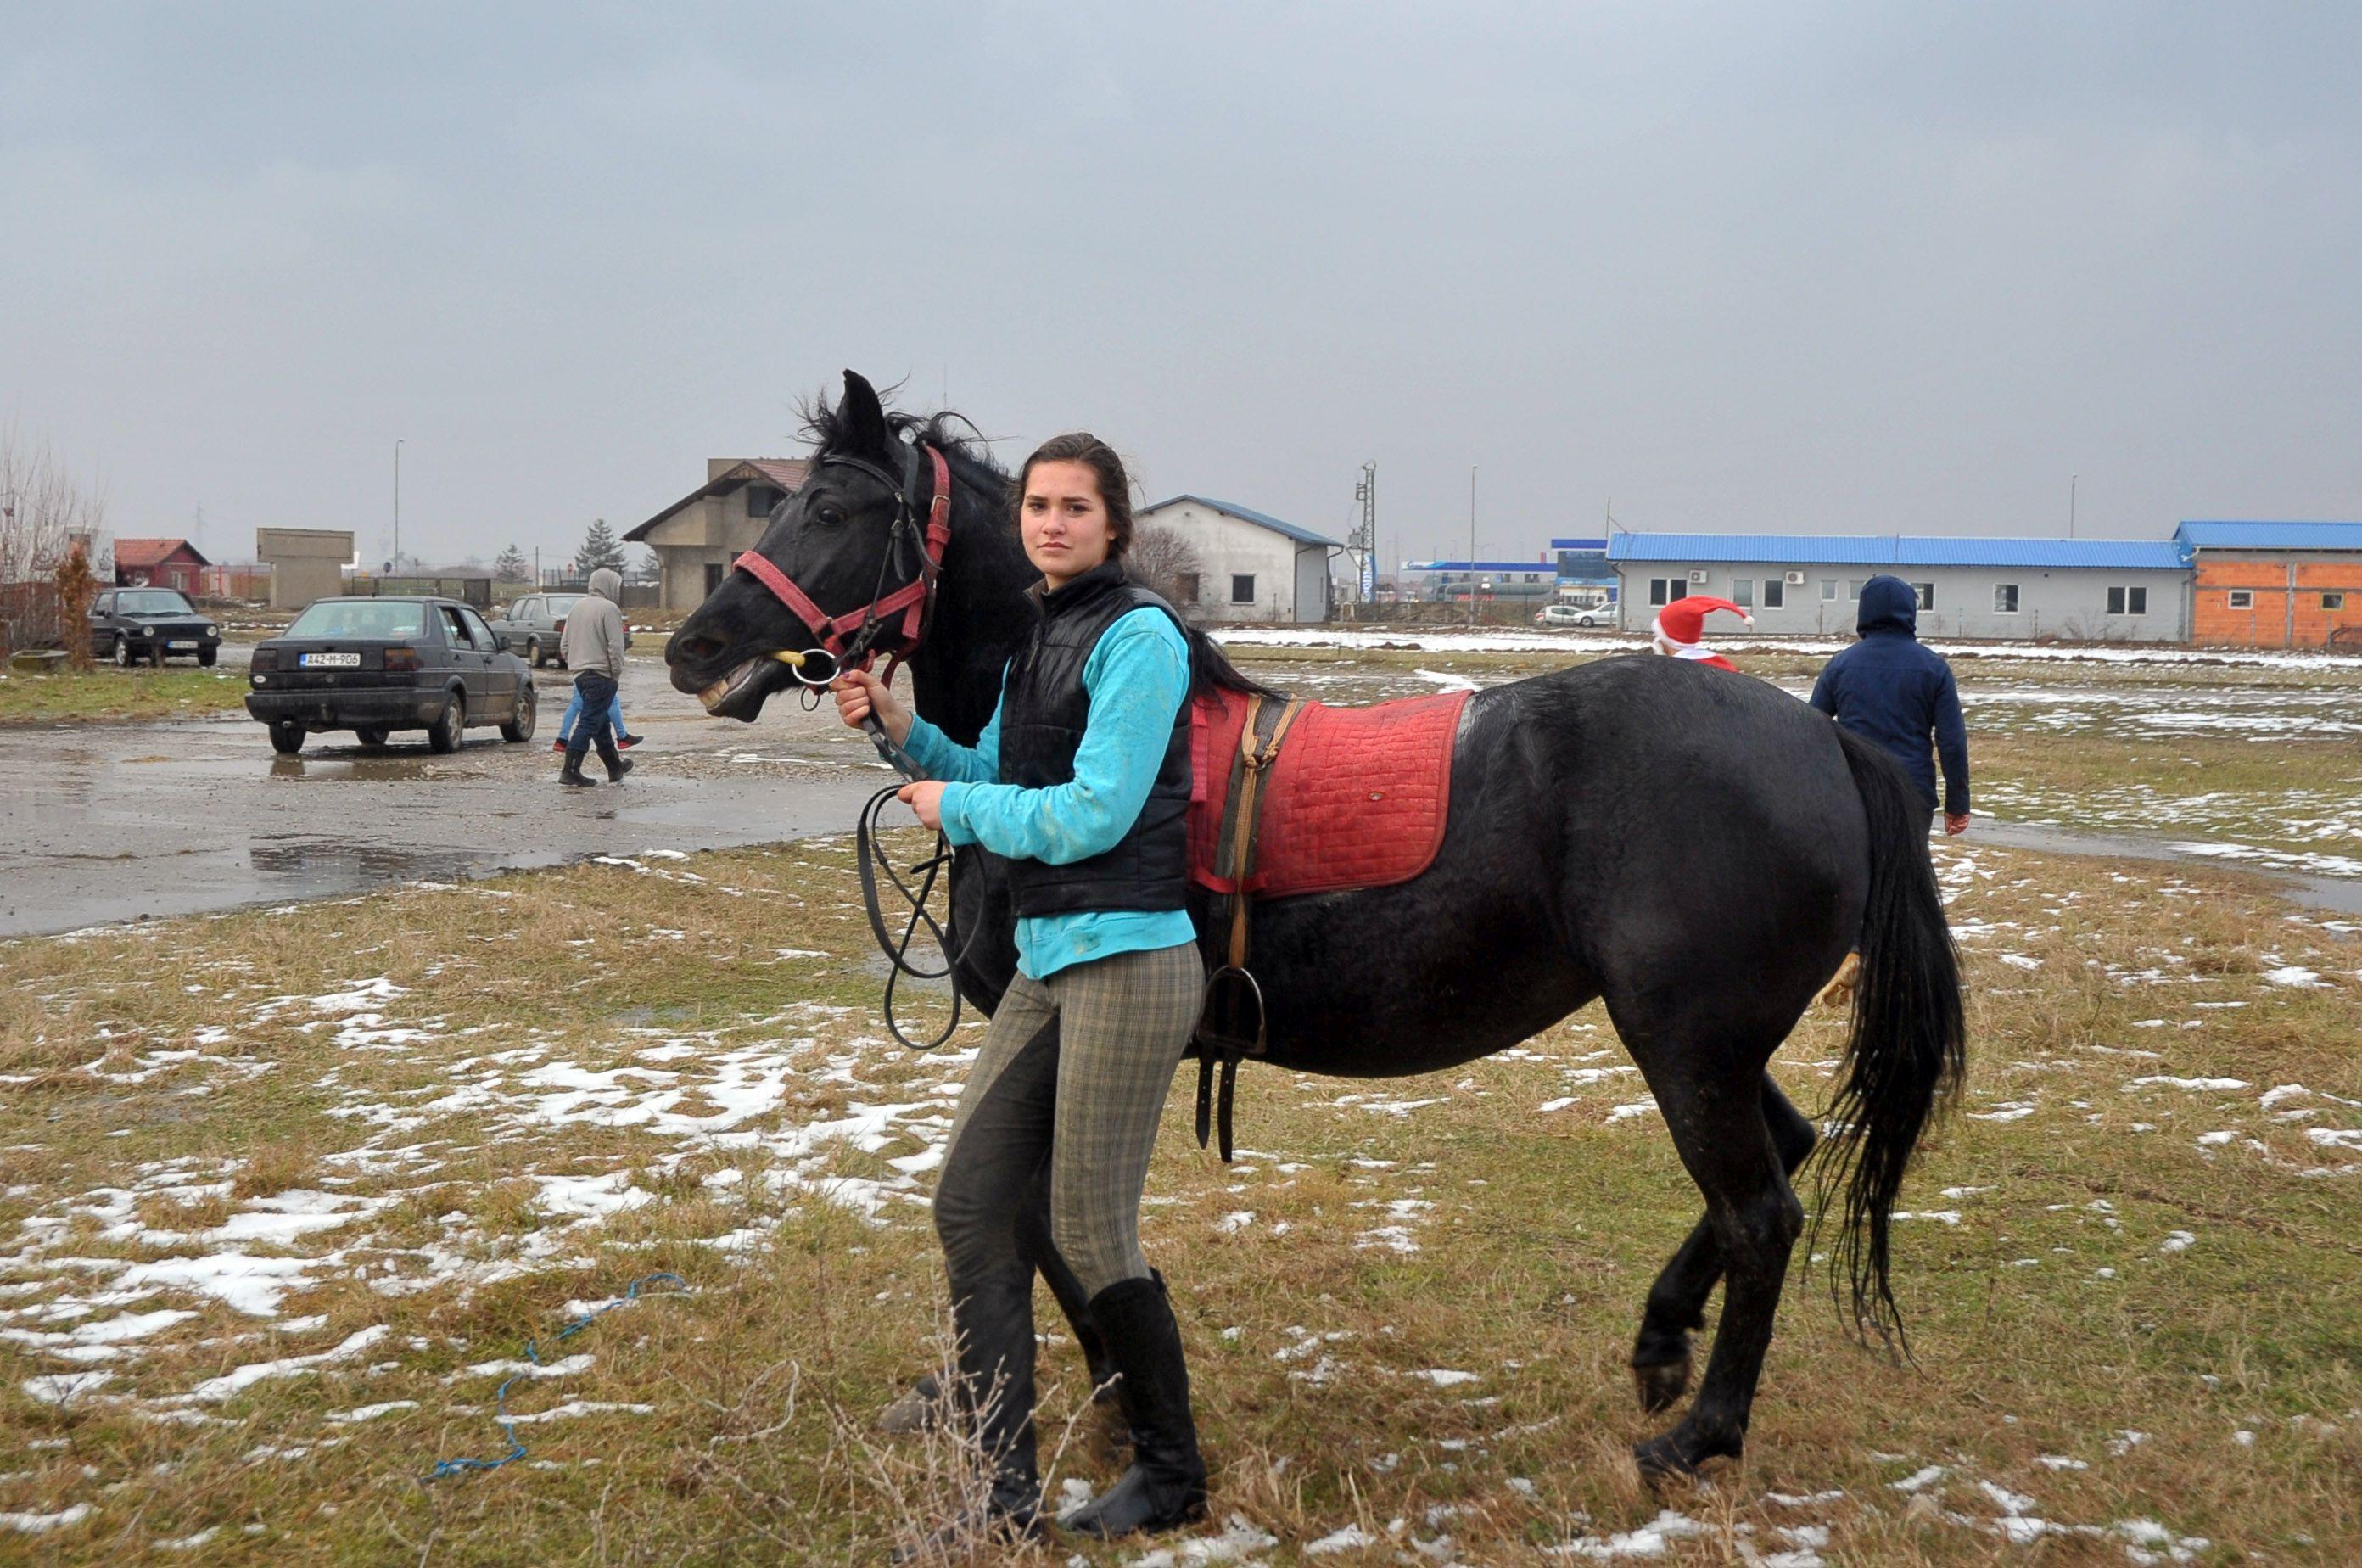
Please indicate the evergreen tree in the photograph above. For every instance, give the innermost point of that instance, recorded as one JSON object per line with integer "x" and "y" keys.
{"x": 511, "y": 565}
{"x": 599, "y": 548}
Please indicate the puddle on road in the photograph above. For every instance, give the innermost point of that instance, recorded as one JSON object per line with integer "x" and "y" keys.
{"x": 326, "y": 865}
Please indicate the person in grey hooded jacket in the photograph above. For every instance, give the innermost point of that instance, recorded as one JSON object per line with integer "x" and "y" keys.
{"x": 1888, "y": 689}
{"x": 593, "y": 649}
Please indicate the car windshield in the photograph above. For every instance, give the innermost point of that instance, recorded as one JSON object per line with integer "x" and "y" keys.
{"x": 359, "y": 618}
{"x": 152, "y": 602}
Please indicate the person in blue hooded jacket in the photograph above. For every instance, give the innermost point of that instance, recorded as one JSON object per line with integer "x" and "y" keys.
{"x": 1888, "y": 689}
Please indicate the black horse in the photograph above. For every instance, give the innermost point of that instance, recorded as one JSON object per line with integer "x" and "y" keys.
{"x": 1696, "y": 847}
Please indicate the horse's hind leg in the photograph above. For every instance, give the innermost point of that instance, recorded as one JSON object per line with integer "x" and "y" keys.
{"x": 1676, "y": 1307}
{"x": 1755, "y": 1219}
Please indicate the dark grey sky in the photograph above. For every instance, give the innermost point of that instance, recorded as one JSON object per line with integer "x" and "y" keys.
{"x": 1850, "y": 267}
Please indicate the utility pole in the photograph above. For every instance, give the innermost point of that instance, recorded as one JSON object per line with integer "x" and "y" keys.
{"x": 2071, "y": 504}
{"x": 1365, "y": 537}
{"x": 1471, "y": 545}
{"x": 397, "y": 507}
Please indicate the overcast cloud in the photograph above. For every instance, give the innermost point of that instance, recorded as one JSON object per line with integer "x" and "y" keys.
{"x": 1844, "y": 268}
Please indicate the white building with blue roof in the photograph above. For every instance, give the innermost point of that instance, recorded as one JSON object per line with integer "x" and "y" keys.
{"x": 2009, "y": 590}
{"x": 1251, "y": 566}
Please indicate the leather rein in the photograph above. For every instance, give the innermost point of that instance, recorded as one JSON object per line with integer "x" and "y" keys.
{"x": 849, "y": 641}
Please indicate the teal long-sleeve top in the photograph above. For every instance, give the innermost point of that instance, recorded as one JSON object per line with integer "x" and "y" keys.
{"x": 1136, "y": 678}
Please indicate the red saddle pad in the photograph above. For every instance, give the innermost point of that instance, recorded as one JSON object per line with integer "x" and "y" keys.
{"x": 1357, "y": 799}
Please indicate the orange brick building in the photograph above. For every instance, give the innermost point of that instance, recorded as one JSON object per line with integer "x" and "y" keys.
{"x": 2275, "y": 585}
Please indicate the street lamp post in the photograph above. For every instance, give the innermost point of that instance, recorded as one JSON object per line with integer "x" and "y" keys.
{"x": 1471, "y": 545}
{"x": 396, "y": 562}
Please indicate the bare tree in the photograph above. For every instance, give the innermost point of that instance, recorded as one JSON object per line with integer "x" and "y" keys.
{"x": 1163, "y": 558}
{"x": 45, "y": 513}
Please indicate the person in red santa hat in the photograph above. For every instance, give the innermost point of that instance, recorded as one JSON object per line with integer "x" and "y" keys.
{"x": 1679, "y": 629}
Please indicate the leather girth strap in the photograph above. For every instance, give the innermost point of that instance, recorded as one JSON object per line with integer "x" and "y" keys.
{"x": 1230, "y": 1023}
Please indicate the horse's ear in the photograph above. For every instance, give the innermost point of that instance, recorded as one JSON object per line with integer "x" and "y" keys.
{"x": 863, "y": 416}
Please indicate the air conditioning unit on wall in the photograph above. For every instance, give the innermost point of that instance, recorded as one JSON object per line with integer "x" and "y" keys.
{"x": 1698, "y": 576}
{"x": 1792, "y": 578}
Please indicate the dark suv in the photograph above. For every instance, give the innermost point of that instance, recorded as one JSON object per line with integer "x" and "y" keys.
{"x": 374, "y": 666}
{"x": 148, "y": 626}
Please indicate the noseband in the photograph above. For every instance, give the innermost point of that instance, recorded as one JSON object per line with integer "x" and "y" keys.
{"x": 849, "y": 639}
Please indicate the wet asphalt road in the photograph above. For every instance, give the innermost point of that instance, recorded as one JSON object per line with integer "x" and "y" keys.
{"x": 106, "y": 823}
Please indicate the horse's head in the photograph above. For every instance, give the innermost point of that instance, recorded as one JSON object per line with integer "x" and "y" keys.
{"x": 836, "y": 539}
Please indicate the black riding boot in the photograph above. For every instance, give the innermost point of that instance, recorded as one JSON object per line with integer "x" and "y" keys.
{"x": 571, "y": 774}
{"x": 617, "y": 763}
{"x": 996, "y": 1396}
{"x": 1166, "y": 1484}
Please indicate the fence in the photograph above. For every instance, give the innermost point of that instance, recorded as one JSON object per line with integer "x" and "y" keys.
{"x": 247, "y": 583}
{"x": 475, "y": 590}
{"x": 28, "y": 617}
{"x": 636, "y": 595}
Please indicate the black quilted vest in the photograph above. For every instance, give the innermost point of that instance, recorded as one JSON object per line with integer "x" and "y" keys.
{"x": 1043, "y": 708}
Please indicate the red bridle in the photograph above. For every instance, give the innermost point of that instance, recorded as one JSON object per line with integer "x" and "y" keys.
{"x": 856, "y": 627}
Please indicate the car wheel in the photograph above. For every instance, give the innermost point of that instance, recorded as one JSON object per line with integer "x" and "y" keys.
{"x": 122, "y": 653}
{"x": 528, "y": 711}
{"x": 446, "y": 732}
{"x": 205, "y": 658}
{"x": 371, "y": 734}
{"x": 286, "y": 738}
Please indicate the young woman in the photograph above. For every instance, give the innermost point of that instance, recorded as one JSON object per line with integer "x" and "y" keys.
{"x": 1081, "y": 781}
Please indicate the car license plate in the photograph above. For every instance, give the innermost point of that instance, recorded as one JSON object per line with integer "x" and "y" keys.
{"x": 179, "y": 647}
{"x": 330, "y": 661}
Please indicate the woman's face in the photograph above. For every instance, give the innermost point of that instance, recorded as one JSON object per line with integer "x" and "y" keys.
{"x": 1063, "y": 521}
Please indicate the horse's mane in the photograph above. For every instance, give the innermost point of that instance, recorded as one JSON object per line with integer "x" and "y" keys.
{"x": 965, "y": 448}
{"x": 962, "y": 443}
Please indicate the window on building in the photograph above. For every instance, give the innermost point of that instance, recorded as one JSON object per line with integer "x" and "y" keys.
{"x": 1666, "y": 589}
{"x": 1829, "y": 589}
{"x": 2127, "y": 601}
{"x": 1185, "y": 585}
{"x": 1853, "y": 590}
{"x": 760, "y": 499}
{"x": 1242, "y": 588}
{"x": 1775, "y": 593}
{"x": 2243, "y": 599}
{"x": 1742, "y": 592}
{"x": 1926, "y": 592}
{"x": 2004, "y": 599}
{"x": 713, "y": 572}
{"x": 1533, "y": 576}
{"x": 2332, "y": 601}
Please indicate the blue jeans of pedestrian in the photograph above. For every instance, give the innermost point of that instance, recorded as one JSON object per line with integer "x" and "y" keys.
{"x": 595, "y": 690}
{"x": 574, "y": 711}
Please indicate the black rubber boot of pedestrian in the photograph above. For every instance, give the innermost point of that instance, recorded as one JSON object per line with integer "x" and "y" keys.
{"x": 571, "y": 774}
{"x": 1165, "y": 1487}
{"x": 994, "y": 1325}
{"x": 617, "y": 763}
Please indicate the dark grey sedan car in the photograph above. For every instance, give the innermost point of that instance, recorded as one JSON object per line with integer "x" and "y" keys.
{"x": 375, "y": 666}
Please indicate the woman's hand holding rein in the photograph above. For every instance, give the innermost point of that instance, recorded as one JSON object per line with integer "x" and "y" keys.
{"x": 860, "y": 694}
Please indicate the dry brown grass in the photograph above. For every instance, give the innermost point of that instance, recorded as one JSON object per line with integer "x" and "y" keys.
{"x": 1534, "y": 1236}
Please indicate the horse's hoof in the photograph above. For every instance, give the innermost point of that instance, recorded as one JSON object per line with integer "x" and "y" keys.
{"x": 1662, "y": 1384}
{"x": 1679, "y": 1454}
{"x": 919, "y": 1409}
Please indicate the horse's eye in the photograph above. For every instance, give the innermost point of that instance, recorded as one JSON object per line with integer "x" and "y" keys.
{"x": 831, "y": 515}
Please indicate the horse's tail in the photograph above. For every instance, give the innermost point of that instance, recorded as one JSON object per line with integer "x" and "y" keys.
{"x": 1907, "y": 1051}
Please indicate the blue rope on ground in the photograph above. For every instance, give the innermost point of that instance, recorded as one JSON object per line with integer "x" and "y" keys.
{"x": 533, "y": 1354}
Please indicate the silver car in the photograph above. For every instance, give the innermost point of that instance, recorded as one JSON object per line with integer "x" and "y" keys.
{"x": 535, "y": 626}
{"x": 1585, "y": 616}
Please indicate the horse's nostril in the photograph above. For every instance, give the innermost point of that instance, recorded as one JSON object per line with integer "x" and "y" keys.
{"x": 700, "y": 647}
